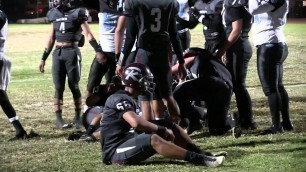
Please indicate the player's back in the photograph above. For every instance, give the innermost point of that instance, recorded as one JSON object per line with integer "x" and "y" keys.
{"x": 154, "y": 18}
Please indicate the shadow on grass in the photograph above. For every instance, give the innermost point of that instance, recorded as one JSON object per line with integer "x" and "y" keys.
{"x": 264, "y": 142}
{"x": 163, "y": 161}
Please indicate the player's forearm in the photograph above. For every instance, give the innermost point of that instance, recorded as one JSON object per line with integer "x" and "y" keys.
{"x": 119, "y": 33}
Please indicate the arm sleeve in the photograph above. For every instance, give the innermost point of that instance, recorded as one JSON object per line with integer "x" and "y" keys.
{"x": 176, "y": 44}
{"x": 131, "y": 33}
{"x": 128, "y": 8}
{"x": 192, "y": 23}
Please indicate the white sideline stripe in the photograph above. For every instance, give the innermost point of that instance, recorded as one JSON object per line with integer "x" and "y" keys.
{"x": 120, "y": 150}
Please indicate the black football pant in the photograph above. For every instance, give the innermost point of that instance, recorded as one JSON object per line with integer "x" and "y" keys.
{"x": 97, "y": 71}
{"x": 217, "y": 95}
{"x": 66, "y": 62}
{"x": 6, "y": 105}
{"x": 270, "y": 58}
{"x": 185, "y": 38}
{"x": 212, "y": 44}
{"x": 238, "y": 57}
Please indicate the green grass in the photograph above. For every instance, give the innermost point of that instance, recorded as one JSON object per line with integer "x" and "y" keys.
{"x": 31, "y": 93}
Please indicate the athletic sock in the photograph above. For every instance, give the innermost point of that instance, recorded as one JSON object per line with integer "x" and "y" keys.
{"x": 58, "y": 115}
{"x": 77, "y": 115}
{"x": 18, "y": 127}
{"x": 194, "y": 148}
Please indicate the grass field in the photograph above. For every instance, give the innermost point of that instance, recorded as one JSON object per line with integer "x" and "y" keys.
{"x": 31, "y": 93}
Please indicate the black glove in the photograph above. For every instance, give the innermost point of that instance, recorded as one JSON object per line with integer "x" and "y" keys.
{"x": 194, "y": 13}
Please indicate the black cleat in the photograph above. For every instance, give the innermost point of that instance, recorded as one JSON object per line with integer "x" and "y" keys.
{"x": 273, "y": 130}
{"x": 287, "y": 126}
{"x": 194, "y": 127}
{"x": 21, "y": 136}
{"x": 88, "y": 138}
{"x": 61, "y": 124}
{"x": 76, "y": 135}
{"x": 77, "y": 123}
{"x": 249, "y": 126}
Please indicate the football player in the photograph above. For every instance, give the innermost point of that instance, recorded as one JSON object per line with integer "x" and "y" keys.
{"x": 121, "y": 146}
{"x": 157, "y": 31}
{"x": 108, "y": 17}
{"x": 91, "y": 118}
{"x": 212, "y": 84}
{"x": 272, "y": 51}
{"x": 68, "y": 21}
{"x": 5, "y": 72}
{"x": 207, "y": 12}
{"x": 238, "y": 52}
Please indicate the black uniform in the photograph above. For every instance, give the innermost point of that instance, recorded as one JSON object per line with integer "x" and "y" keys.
{"x": 157, "y": 30}
{"x": 111, "y": 10}
{"x": 213, "y": 29}
{"x": 119, "y": 145}
{"x": 214, "y": 86}
{"x": 67, "y": 60}
{"x": 238, "y": 57}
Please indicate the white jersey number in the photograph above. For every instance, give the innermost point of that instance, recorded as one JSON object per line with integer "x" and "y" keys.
{"x": 156, "y": 12}
{"x": 123, "y": 105}
{"x": 62, "y": 27}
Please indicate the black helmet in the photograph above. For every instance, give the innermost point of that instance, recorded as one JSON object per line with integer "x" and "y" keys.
{"x": 138, "y": 76}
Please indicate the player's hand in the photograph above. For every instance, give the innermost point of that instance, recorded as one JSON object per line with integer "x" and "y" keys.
{"x": 119, "y": 70}
{"x": 42, "y": 66}
{"x": 195, "y": 13}
{"x": 101, "y": 58}
{"x": 189, "y": 53}
{"x": 169, "y": 136}
{"x": 182, "y": 72}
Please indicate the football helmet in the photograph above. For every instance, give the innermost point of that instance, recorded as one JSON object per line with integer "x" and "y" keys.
{"x": 138, "y": 76}
{"x": 67, "y": 3}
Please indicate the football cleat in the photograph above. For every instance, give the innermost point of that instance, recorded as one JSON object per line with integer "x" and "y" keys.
{"x": 22, "y": 136}
{"x": 273, "y": 130}
{"x": 61, "y": 124}
{"x": 87, "y": 138}
{"x": 287, "y": 126}
{"x": 211, "y": 161}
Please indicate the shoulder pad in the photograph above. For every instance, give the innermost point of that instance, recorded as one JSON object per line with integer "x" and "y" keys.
{"x": 54, "y": 14}
{"x": 79, "y": 14}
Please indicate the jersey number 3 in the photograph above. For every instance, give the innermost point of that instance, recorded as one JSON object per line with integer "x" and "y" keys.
{"x": 156, "y": 13}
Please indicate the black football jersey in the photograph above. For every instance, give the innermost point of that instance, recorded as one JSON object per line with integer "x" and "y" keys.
{"x": 155, "y": 21}
{"x": 232, "y": 14}
{"x": 209, "y": 67}
{"x": 213, "y": 27}
{"x": 114, "y": 129}
{"x": 67, "y": 25}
